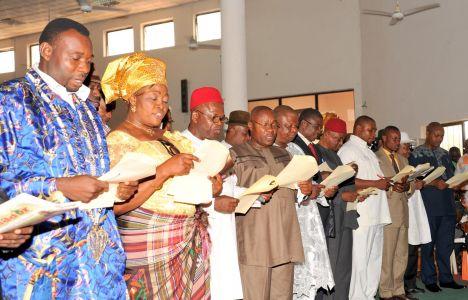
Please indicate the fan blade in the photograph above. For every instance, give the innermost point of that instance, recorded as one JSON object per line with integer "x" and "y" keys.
{"x": 109, "y": 8}
{"x": 377, "y": 13}
{"x": 393, "y": 21}
{"x": 420, "y": 9}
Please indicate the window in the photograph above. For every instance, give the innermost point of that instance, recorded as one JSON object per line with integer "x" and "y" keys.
{"x": 157, "y": 36}
{"x": 34, "y": 55}
{"x": 454, "y": 135}
{"x": 208, "y": 26}
{"x": 7, "y": 57}
{"x": 120, "y": 41}
{"x": 339, "y": 102}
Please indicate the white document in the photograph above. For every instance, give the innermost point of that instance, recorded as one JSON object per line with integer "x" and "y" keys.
{"x": 434, "y": 175}
{"x": 26, "y": 210}
{"x": 457, "y": 179}
{"x": 368, "y": 191}
{"x": 196, "y": 187}
{"x": 213, "y": 156}
{"x": 300, "y": 168}
{"x": 420, "y": 170}
{"x": 406, "y": 171}
{"x": 338, "y": 176}
{"x": 324, "y": 167}
{"x": 132, "y": 166}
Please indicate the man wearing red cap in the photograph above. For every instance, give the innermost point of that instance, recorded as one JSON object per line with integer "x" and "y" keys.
{"x": 206, "y": 122}
{"x": 339, "y": 236}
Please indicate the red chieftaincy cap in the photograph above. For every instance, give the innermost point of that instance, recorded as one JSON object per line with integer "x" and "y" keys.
{"x": 336, "y": 125}
{"x": 205, "y": 95}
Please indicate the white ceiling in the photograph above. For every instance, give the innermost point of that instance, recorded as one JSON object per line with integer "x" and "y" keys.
{"x": 31, "y": 16}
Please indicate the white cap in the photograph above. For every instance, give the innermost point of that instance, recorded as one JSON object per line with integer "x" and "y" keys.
{"x": 405, "y": 139}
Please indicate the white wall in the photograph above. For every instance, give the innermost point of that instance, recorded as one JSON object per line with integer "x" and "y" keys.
{"x": 293, "y": 47}
{"x": 416, "y": 71}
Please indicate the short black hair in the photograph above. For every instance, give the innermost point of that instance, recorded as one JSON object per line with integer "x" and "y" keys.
{"x": 361, "y": 120}
{"x": 433, "y": 126}
{"x": 111, "y": 106}
{"x": 309, "y": 113}
{"x": 390, "y": 128}
{"x": 57, "y": 26}
{"x": 258, "y": 110}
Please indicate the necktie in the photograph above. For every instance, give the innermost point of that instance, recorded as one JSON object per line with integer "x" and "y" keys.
{"x": 314, "y": 152}
{"x": 394, "y": 164}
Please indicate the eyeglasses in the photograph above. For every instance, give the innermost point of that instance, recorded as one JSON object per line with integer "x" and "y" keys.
{"x": 215, "y": 118}
{"x": 272, "y": 125}
{"x": 313, "y": 125}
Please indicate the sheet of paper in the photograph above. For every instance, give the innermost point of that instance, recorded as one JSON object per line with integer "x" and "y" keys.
{"x": 434, "y": 175}
{"x": 26, "y": 210}
{"x": 324, "y": 167}
{"x": 339, "y": 175}
{"x": 265, "y": 184}
{"x": 104, "y": 200}
{"x": 406, "y": 171}
{"x": 191, "y": 189}
{"x": 457, "y": 179}
{"x": 133, "y": 166}
{"x": 300, "y": 168}
{"x": 245, "y": 203}
{"x": 368, "y": 191}
{"x": 420, "y": 170}
{"x": 213, "y": 156}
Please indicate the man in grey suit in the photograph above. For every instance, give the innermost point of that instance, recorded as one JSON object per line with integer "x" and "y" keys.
{"x": 395, "y": 246}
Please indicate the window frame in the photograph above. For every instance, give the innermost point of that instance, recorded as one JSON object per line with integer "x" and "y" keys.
{"x": 462, "y": 124}
{"x": 195, "y": 24}
{"x": 30, "y": 53}
{"x": 106, "y": 40}
{"x": 8, "y": 49}
{"x": 143, "y": 25}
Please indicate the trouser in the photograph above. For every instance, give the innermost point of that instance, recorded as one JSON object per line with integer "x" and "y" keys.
{"x": 265, "y": 283}
{"x": 412, "y": 267}
{"x": 443, "y": 233}
{"x": 367, "y": 262}
{"x": 394, "y": 260}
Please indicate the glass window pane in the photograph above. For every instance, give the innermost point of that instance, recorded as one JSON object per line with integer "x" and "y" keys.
{"x": 120, "y": 42}
{"x": 34, "y": 55}
{"x": 8, "y": 61}
{"x": 300, "y": 102}
{"x": 159, "y": 36}
{"x": 341, "y": 103}
{"x": 208, "y": 26}
{"x": 271, "y": 103}
{"x": 453, "y": 137}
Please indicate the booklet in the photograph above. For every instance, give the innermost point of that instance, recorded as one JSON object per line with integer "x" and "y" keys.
{"x": 457, "y": 179}
{"x": 26, "y": 210}
{"x": 196, "y": 187}
{"x": 300, "y": 168}
{"x": 132, "y": 166}
{"x": 434, "y": 175}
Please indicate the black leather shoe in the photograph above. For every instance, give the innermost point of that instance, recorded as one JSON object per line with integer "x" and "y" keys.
{"x": 452, "y": 285}
{"x": 433, "y": 287}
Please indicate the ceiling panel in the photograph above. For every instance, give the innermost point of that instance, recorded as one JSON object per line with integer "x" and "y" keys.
{"x": 20, "y": 17}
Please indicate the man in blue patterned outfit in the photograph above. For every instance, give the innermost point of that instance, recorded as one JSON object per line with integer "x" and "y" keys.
{"x": 52, "y": 145}
{"x": 440, "y": 208}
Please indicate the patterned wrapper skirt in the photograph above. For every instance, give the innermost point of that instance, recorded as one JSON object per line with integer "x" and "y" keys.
{"x": 167, "y": 255}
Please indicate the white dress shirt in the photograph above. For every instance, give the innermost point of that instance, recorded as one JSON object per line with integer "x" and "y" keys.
{"x": 374, "y": 210}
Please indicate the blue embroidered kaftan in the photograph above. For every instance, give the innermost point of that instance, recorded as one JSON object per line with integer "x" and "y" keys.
{"x": 42, "y": 137}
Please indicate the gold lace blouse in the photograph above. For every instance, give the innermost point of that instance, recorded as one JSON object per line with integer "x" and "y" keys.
{"x": 120, "y": 142}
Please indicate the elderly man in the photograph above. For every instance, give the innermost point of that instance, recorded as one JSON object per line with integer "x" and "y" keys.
{"x": 315, "y": 272}
{"x": 395, "y": 249}
{"x": 54, "y": 148}
{"x": 206, "y": 122}
{"x": 238, "y": 131}
{"x": 440, "y": 208}
{"x": 373, "y": 213}
{"x": 268, "y": 238}
{"x": 340, "y": 239}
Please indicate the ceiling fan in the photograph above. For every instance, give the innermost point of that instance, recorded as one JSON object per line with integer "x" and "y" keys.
{"x": 397, "y": 15}
{"x": 101, "y": 5}
{"x": 194, "y": 45}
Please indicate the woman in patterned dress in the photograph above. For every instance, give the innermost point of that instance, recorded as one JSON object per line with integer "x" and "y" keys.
{"x": 166, "y": 243}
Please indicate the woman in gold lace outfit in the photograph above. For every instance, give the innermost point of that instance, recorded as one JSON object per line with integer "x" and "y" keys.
{"x": 166, "y": 243}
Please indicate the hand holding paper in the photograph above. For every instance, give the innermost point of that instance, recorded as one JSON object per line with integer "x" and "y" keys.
{"x": 434, "y": 175}
{"x": 338, "y": 176}
{"x": 457, "y": 180}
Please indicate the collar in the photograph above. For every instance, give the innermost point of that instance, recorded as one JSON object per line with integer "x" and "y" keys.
{"x": 60, "y": 90}
{"x": 304, "y": 139}
{"x": 357, "y": 140}
{"x": 389, "y": 152}
{"x": 189, "y": 135}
